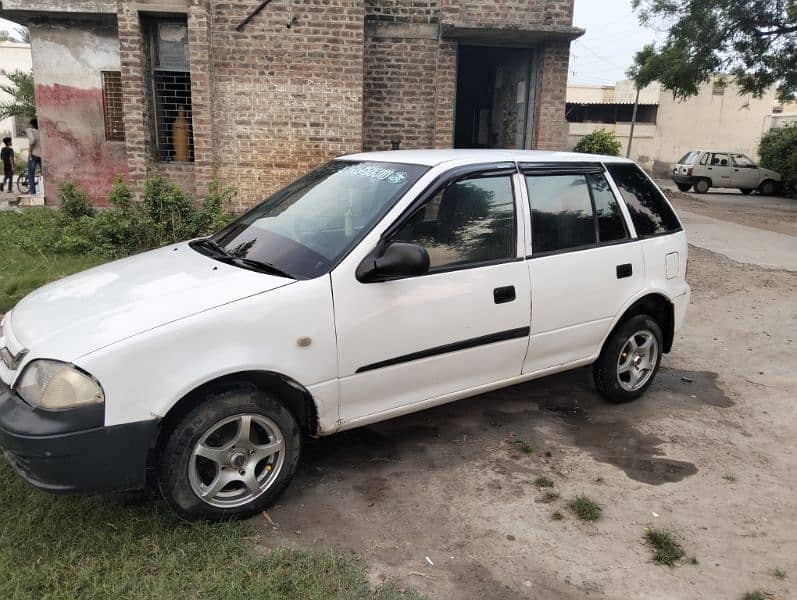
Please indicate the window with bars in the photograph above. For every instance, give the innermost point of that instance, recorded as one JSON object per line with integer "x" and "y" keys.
{"x": 112, "y": 105}
{"x": 171, "y": 90}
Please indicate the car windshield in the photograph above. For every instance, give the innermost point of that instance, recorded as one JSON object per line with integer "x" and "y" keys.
{"x": 689, "y": 158}
{"x": 303, "y": 230}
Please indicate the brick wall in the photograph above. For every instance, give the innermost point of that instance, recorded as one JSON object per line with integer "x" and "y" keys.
{"x": 551, "y": 125}
{"x": 285, "y": 99}
{"x": 506, "y": 14}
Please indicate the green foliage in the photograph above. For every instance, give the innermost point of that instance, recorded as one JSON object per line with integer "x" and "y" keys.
{"x": 752, "y": 41}
{"x": 110, "y": 547}
{"x": 543, "y": 482}
{"x": 18, "y": 86}
{"x": 167, "y": 215}
{"x": 73, "y": 203}
{"x": 778, "y": 151}
{"x": 599, "y": 142}
{"x": 666, "y": 548}
{"x": 585, "y": 509}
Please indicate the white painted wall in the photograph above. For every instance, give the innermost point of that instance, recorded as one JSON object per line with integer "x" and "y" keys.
{"x": 14, "y": 56}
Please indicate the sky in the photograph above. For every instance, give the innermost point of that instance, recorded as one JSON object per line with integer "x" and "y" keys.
{"x": 607, "y": 49}
{"x": 603, "y": 53}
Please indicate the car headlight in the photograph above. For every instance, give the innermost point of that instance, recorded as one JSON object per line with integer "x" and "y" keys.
{"x": 56, "y": 385}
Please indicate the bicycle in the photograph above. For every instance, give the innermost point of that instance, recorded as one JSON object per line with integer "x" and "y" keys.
{"x": 22, "y": 181}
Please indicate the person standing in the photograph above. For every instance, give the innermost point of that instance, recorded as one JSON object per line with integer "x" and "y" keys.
{"x": 34, "y": 153}
{"x": 7, "y": 156}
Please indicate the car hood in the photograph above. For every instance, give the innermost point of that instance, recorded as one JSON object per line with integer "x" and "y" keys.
{"x": 76, "y": 315}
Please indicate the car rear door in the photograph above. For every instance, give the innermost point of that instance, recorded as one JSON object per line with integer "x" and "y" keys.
{"x": 584, "y": 264}
{"x": 719, "y": 170}
{"x": 465, "y": 324}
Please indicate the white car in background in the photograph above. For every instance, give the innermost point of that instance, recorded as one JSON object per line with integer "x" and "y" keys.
{"x": 376, "y": 285}
{"x": 702, "y": 170}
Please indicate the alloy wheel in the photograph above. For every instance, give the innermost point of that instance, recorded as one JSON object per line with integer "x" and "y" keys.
{"x": 637, "y": 361}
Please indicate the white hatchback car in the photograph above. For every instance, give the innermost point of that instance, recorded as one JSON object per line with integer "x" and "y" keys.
{"x": 376, "y": 285}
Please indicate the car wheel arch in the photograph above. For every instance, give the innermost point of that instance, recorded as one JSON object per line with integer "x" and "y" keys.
{"x": 293, "y": 395}
{"x": 657, "y": 306}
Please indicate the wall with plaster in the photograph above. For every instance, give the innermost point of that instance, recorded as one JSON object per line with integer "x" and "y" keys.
{"x": 68, "y": 61}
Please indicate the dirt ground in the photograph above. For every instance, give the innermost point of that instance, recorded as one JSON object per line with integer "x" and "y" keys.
{"x": 444, "y": 501}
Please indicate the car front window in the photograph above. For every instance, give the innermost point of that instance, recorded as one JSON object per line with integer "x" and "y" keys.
{"x": 306, "y": 228}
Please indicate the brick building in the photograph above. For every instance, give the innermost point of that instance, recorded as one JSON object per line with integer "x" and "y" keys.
{"x": 204, "y": 89}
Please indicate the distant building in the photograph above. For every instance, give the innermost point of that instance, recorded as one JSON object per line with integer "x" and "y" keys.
{"x": 717, "y": 118}
{"x": 14, "y": 56}
{"x": 256, "y": 94}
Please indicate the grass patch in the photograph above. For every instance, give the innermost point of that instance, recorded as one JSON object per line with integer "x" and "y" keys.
{"x": 729, "y": 477}
{"x": 550, "y": 496}
{"x": 557, "y": 515}
{"x": 693, "y": 560}
{"x": 585, "y": 509}
{"x": 543, "y": 482}
{"x": 779, "y": 573}
{"x": 99, "y": 547}
{"x": 524, "y": 446}
{"x": 666, "y": 549}
{"x": 755, "y": 595}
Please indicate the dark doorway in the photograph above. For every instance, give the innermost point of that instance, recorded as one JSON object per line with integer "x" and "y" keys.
{"x": 493, "y": 90}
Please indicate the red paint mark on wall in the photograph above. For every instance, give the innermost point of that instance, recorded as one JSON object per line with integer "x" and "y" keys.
{"x": 73, "y": 141}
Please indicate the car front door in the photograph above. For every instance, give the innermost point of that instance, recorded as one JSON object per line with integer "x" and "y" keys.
{"x": 583, "y": 264}
{"x": 413, "y": 341}
{"x": 745, "y": 173}
{"x": 719, "y": 170}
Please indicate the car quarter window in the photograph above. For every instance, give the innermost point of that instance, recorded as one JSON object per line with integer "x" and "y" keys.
{"x": 650, "y": 212}
{"x": 468, "y": 222}
{"x": 740, "y": 160}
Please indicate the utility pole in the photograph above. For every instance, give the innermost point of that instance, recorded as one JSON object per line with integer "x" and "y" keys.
{"x": 633, "y": 123}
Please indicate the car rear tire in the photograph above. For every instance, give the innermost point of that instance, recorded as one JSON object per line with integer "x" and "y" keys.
{"x": 746, "y": 191}
{"x": 231, "y": 456}
{"x": 702, "y": 186}
{"x": 767, "y": 188}
{"x": 629, "y": 360}
{"x": 684, "y": 187}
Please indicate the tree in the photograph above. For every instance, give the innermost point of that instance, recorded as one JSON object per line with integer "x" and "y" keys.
{"x": 778, "y": 151}
{"x": 599, "y": 142}
{"x": 755, "y": 41}
{"x": 19, "y": 87}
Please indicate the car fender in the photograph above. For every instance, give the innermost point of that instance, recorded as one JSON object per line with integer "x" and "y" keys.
{"x": 289, "y": 331}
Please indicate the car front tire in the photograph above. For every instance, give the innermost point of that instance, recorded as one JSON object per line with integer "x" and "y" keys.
{"x": 767, "y": 188}
{"x": 629, "y": 360}
{"x": 231, "y": 456}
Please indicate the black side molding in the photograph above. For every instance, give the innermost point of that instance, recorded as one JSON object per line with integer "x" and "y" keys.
{"x": 492, "y": 338}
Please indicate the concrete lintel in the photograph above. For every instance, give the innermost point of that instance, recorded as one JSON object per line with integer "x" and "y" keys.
{"x": 43, "y": 7}
{"x": 412, "y": 31}
{"x": 509, "y": 36}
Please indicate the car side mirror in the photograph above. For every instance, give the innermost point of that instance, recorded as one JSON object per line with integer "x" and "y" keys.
{"x": 396, "y": 260}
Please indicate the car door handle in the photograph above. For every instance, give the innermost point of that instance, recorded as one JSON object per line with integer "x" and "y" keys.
{"x": 624, "y": 271}
{"x": 504, "y": 294}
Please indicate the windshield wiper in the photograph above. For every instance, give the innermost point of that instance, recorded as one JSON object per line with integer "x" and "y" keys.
{"x": 247, "y": 263}
{"x": 259, "y": 265}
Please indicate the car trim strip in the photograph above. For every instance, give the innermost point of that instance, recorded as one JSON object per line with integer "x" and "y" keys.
{"x": 501, "y": 336}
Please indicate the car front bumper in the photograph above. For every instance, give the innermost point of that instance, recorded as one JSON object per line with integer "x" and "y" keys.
{"x": 52, "y": 450}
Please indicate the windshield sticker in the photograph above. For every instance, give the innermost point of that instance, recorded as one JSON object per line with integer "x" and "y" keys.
{"x": 380, "y": 173}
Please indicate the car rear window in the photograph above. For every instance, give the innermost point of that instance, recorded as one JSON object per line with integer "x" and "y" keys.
{"x": 650, "y": 212}
{"x": 689, "y": 158}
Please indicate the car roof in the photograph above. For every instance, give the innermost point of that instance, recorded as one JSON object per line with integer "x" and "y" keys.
{"x": 432, "y": 158}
